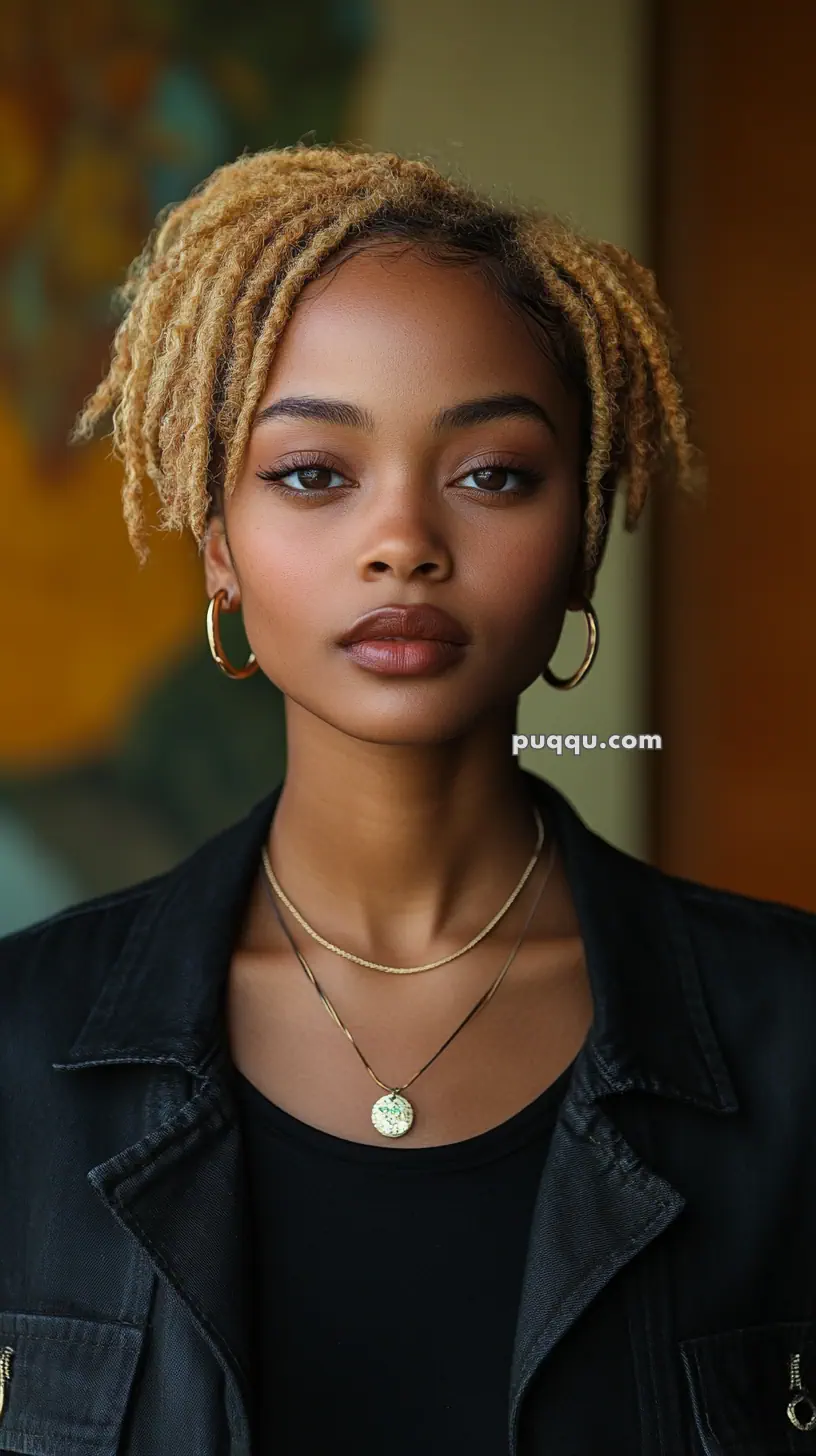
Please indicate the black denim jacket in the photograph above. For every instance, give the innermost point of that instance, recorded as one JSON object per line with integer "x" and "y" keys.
{"x": 673, "y": 1245}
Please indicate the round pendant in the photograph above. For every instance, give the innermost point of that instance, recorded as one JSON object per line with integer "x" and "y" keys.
{"x": 392, "y": 1115}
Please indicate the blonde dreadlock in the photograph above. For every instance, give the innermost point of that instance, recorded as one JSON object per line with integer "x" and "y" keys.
{"x": 208, "y": 298}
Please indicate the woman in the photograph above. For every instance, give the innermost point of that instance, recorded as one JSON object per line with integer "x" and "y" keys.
{"x": 408, "y": 1115}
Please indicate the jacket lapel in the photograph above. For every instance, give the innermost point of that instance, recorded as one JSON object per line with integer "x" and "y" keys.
{"x": 599, "y": 1204}
{"x": 180, "y": 1190}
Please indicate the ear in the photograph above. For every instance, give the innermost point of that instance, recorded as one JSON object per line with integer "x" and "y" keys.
{"x": 581, "y": 584}
{"x": 580, "y": 595}
{"x": 219, "y": 571}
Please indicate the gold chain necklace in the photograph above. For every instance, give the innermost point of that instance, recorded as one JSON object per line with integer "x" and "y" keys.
{"x": 409, "y": 970}
{"x": 393, "y": 1114}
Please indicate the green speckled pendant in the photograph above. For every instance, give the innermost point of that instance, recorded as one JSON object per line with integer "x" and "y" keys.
{"x": 392, "y": 1115}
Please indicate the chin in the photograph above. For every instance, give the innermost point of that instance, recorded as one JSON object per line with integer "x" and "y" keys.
{"x": 403, "y": 727}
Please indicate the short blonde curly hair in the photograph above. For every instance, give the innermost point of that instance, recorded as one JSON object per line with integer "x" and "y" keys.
{"x": 207, "y": 300}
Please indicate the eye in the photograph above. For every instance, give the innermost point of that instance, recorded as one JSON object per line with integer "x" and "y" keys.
{"x": 492, "y": 479}
{"x": 310, "y": 475}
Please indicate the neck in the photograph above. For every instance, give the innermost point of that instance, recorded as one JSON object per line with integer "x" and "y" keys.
{"x": 400, "y": 852}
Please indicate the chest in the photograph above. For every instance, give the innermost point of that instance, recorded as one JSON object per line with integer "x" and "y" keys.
{"x": 286, "y": 1042}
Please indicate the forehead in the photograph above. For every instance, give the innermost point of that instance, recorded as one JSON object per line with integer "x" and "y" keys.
{"x": 393, "y": 311}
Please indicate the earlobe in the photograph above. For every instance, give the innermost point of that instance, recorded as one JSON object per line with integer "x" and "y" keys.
{"x": 581, "y": 581}
{"x": 581, "y": 590}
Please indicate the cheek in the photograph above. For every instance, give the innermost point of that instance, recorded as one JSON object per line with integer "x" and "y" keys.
{"x": 282, "y": 587}
{"x": 524, "y": 578}
{"x": 277, "y": 573}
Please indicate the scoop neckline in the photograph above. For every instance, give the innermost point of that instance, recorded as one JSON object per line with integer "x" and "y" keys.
{"x": 496, "y": 1142}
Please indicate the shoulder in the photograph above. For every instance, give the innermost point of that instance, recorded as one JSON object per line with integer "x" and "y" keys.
{"x": 75, "y": 948}
{"x": 737, "y": 948}
{"x": 52, "y": 972}
{"x": 717, "y": 919}
{"x": 76, "y": 934}
{"x": 726, "y": 918}
{"x": 741, "y": 970}
{"x": 636, "y": 900}
{"x": 749, "y": 952}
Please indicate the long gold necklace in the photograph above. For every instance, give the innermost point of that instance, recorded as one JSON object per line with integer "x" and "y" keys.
{"x": 393, "y": 1114}
{"x": 409, "y": 970}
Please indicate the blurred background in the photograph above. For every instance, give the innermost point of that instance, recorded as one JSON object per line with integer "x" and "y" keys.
{"x": 682, "y": 130}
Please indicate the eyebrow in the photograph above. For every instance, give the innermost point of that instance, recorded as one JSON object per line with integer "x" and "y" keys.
{"x": 454, "y": 417}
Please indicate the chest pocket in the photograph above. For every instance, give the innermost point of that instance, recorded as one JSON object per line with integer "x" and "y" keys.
{"x": 741, "y": 1383}
{"x": 64, "y": 1383}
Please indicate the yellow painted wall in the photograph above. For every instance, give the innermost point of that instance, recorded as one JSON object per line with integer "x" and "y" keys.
{"x": 85, "y": 628}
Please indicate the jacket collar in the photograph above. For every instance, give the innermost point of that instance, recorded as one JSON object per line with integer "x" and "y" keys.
{"x": 163, "y": 998}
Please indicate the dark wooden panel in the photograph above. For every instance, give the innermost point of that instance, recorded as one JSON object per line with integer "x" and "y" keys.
{"x": 734, "y": 585}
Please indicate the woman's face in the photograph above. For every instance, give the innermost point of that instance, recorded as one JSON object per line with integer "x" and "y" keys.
{"x": 385, "y": 504}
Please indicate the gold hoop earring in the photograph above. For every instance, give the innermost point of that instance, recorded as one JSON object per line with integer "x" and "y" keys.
{"x": 589, "y": 655}
{"x": 214, "y": 638}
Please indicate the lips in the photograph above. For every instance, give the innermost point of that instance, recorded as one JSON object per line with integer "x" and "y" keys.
{"x": 426, "y": 623}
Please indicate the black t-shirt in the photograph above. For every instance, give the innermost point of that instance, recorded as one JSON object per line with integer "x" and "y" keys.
{"x": 387, "y": 1282}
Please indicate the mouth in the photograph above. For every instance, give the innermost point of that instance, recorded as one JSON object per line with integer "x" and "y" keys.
{"x": 405, "y": 656}
{"x": 407, "y": 624}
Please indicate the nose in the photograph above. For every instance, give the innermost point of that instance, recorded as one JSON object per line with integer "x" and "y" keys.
{"x": 405, "y": 542}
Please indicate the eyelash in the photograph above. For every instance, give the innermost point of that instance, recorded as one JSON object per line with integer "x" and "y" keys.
{"x": 529, "y": 478}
